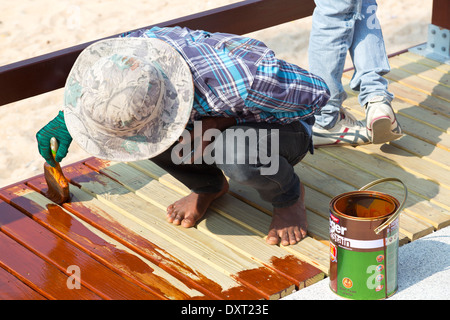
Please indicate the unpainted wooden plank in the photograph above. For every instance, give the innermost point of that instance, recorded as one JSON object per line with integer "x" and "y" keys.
{"x": 228, "y": 206}
{"x": 38, "y": 274}
{"x": 423, "y": 99}
{"x": 174, "y": 262}
{"x": 333, "y": 185}
{"x": 12, "y": 288}
{"x": 442, "y": 67}
{"x": 63, "y": 255}
{"x": 421, "y": 70}
{"x": 86, "y": 238}
{"x": 407, "y": 162}
{"x": 419, "y": 84}
{"x": 326, "y": 177}
{"x": 303, "y": 249}
{"x": 424, "y": 188}
{"x": 411, "y": 95}
{"x": 406, "y": 109}
{"x": 424, "y": 150}
{"x": 203, "y": 248}
{"x": 380, "y": 169}
{"x": 411, "y": 127}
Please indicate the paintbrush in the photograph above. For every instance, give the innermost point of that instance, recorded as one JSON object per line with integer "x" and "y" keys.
{"x": 58, "y": 186}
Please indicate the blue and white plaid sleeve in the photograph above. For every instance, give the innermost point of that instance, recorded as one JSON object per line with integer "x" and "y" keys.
{"x": 237, "y": 76}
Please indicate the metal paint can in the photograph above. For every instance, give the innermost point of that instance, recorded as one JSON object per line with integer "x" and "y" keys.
{"x": 364, "y": 228}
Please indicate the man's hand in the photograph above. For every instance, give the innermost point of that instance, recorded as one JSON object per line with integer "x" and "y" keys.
{"x": 55, "y": 128}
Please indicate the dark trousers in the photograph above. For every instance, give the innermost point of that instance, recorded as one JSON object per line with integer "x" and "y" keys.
{"x": 276, "y": 182}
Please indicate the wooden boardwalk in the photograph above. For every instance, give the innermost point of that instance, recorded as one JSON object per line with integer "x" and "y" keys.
{"x": 114, "y": 241}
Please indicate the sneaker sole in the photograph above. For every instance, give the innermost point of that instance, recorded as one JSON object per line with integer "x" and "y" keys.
{"x": 382, "y": 132}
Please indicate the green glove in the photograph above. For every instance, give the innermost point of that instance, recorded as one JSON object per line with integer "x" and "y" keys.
{"x": 55, "y": 128}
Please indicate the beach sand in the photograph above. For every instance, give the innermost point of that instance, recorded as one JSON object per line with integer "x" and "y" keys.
{"x": 30, "y": 28}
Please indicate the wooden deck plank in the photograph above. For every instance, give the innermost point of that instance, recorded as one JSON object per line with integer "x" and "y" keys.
{"x": 84, "y": 237}
{"x": 38, "y": 274}
{"x": 115, "y": 224}
{"x": 416, "y": 166}
{"x": 421, "y": 70}
{"x": 12, "y": 288}
{"x": 61, "y": 254}
{"x": 131, "y": 235}
{"x": 408, "y": 227}
{"x": 415, "y": 82}
{"x": 445, "y": 68}
{"x": 423, "y": 130}
{"x": 314, "y": 254}
{"x": 411, "y": 95}
{"x": 422, "y": 188}
{"x": 424, "y": 150}
{"x": 203, "y": 248}
{"x": 317, "y": 226}
{"x": 325, "y": 178}
{"x": 293, "y": 268}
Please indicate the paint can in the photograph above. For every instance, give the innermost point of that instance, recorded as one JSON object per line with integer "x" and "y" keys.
{"x": 364, "y": 228}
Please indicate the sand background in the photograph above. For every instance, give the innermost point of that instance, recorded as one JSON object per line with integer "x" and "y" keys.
{"x": 30, "y": 28}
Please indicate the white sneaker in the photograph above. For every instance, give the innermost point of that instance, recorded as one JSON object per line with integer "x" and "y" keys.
{"x": 347, "y": 131}
{"x": 382, "y": 126}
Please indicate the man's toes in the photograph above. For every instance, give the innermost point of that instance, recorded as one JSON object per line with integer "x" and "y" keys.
{"x": 299, "y": 234}
{"x": 272, "y": 237}
{"x": 188, "y": 222}
{"x": 177, "y": 220}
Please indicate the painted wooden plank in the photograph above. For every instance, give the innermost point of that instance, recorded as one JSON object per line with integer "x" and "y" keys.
{"x": 12, "y": 288}
{"x": 90, "y": 240}
{"x": 174, "y": 263}
{"x": 325, "y": 176}
{"x": 317, "y": 255}
{"x": 38, "y": 274}
{"x": 203, "y": 248}
{"x": 96, "y": 277}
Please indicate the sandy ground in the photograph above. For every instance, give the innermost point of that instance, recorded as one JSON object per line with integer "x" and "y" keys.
{"x": 30, "y": 28}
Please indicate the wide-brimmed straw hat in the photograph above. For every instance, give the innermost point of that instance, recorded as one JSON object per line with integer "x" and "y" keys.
{"x": 128, "y": 99}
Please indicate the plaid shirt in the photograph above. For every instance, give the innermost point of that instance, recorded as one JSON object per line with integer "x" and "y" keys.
{"x": 236, "y": 76}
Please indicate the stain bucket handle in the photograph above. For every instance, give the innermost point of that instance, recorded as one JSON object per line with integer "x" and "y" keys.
{"x": 399, "y": 209}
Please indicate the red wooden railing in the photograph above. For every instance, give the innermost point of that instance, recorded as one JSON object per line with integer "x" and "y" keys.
{"x": 48, "y": 72}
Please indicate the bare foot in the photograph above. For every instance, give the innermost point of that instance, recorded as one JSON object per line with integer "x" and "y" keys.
{"x": 289, "y": 224}
{"x": 190, "y": 209}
